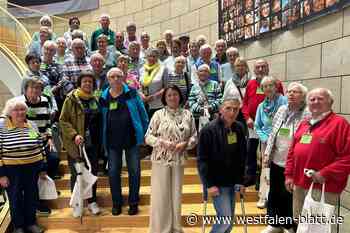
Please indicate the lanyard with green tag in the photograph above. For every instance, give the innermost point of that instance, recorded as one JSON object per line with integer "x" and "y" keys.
{"x": 47, "y": 91}
{"x": 231, "y": 138}
{"x": 43, "y": 66}
{"x": 31, "y": 113}
{"x": 182, "y": 82}
{"x": 93, "y": 105}
{"x": 97, "y": 93}
{"x": 284, "y": 132}
{"x": 259, "y": 91}
{"x": 213, "y": 71}
{"x": 306, "y": 138}
{"x": 33, "y": 134}
{"x": 113, "y": 105}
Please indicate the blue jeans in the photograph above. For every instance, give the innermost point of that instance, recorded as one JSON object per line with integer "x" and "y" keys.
{"x": 224, "y": 205}
{"x": 134, "y": 172}
{"x": 23, "y": 193}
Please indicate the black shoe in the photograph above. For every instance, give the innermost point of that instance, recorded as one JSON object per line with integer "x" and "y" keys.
{"x": 43, "y": 210}
{"x": 18, "y": 230}
{"x": 249, "y": 180}
{"x": 116, "y": 210}
{"x": 35, "y": 229}
{"x": 133, "y": 209}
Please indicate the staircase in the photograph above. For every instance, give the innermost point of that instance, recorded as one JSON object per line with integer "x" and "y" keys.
{"x": 61, "y": 220}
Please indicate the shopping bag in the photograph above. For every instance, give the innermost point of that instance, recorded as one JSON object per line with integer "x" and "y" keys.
{"x": 203, "y": 120}
{"x": 311, "y": 209}
{"x": 47, "y": 189}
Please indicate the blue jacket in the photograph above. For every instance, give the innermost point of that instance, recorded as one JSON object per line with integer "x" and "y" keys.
{"x": 137, "y": 111}
{"x": 263, "y": 119}
{"x": 214, "y": 69}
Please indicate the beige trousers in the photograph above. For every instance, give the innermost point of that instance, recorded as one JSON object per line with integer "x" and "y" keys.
{"x": 166, "y": 192}
{"x": 299, "y": 195}
{"x": 264, "y": 187}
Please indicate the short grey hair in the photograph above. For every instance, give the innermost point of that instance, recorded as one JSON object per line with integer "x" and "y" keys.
{"x": 97, "y": 56}
{"x": 78, "y": 41}
{"x": 204, "y": 47}
{"x": 180, "y": 58}
{"x": 152, "y": 52}
{"x": 220, "y": 41}
{"x": 105, "y": 16}
{"x": 50, "y": 43}
{"x": 203, "y": 66}
{"x": 168, "y": 32}
{"x": 301, "y": 87}
{"x": 268, "y": 79}
{"x": 45, "y": 18}
{"x": 12, "y": 104}
{"x": 61, "y": 39}
{"x": 133, "y": 44}
{"x": 201, "y": 37}
{"x": 77, "y": 33}
{"x": 232, "y": 50}
{"x": 228, "y": 98}
{"x": 326, "y": 91}
{"x": 114, "y": 70}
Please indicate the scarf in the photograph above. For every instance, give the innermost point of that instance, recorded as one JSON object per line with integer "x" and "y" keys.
{"x": 270, "y": 106}
{"x": 241, "y": 82}
{"x": 150, "y": 73}
{"x": 83, "y": 95}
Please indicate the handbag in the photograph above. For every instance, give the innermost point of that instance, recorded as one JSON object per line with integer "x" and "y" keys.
{"x": 308, "y": 223}
{"x": 47, "y": 189}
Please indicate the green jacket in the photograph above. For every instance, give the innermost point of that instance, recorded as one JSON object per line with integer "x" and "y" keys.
{"x": 72, "y": 122}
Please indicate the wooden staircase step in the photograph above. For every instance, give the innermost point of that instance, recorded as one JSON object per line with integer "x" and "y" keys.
{"x": 191, "y": 194}
{"x": 190, "y": 177}
{"x": 62, "y": 218}
{"x": 145, "y": 165}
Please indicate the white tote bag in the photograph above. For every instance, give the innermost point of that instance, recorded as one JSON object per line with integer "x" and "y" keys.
{"x": 311, "y": 209}
{"x": 47, "y": 189}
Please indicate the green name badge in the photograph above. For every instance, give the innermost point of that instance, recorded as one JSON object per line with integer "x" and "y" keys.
{"x": 31, "y": 113}
{"x": 47, "y": 91}
{"x": 259, "y": 91}
{"x": 33, "y": 134}
{"x": 113, "y": 105}
{"x": 93, "y": 105}
{"x": 97, "y": 93}
{"x": 213, "y": 71}
{"x": 231, "y": 138}
{"x": 284, "y": 132}
{"x": 43, "y": 66}
{"x": 306, "y": 139}
{"x": 183, "y": 82}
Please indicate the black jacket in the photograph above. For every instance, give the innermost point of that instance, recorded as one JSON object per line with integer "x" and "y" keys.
{"x": 216, "y": 166}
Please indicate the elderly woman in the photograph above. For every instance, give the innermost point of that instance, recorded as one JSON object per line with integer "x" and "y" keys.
{"x": 180, "y": 78}
{"x": 21, "y": 163}
{"x": 320, "y": 143}
{"x": 97, "y": 63}
{"x": 263, "y": 126}
{"x": 205, "y": 52}
{"x": 284, "y": 124}
{"x": 175, "y": 52}
{"x": 108, "y": 55}
{"x": 205, "y": 96}
{"x": 228, "y": 70}
{"x": 153, "y": 79}
{"x": 60, "y": 55}
{"x": 238, "y": 81}
{"x": 36, "y": 45}
{"x": 129, "y": 78}
{"x": 45, "y": 21}
{"x": 162, "y": 50}
{"x": 80, "y": 124}
{"x": 125, "y": 122}
{"x": 171, "y": 132}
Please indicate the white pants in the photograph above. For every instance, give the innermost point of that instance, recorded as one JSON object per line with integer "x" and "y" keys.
{"x": 264, "y": 187}
{"x": 166, "y": 192}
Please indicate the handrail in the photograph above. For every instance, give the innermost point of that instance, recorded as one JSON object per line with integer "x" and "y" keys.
{"x": 27, "y": 37}
{"x": 21, "y": 67}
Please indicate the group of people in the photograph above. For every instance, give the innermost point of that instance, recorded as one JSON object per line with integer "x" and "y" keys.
{"x": 112, "y": 95}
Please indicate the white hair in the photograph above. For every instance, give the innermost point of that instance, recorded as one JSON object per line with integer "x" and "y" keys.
{"x": 114, "y": 70}
{"x": 98, "y": 57}
{"x": 61, "y": 39}
{"x": 220, "y": 41}
{"x": 45, "y": 18}
{"x": 301, "y": 87}
{"x": 203, "y": 66}
{"x": 204, "y": 47}
{"x": 327, "y": 93}
{"x": 105, "y": 16}
{"x": 180, "y": 58}
{"x": 77, "y": 41}
{"x": 268, "y": 79}
{"x": 232, "y": 50}
{"x": 12, "y": 104}
{"x": 168, "y": 32}
{"x": 50, "y": 43}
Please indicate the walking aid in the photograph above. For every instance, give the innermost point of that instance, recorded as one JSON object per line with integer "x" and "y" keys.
{"x": 205, "y": 203}
{"x": 241, "y": 197}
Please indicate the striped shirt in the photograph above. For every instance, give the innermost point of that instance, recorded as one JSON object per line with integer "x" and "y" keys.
{"x": 39, "y": 113}
{"x": 180, "y": 81}
{"x": 73, "y": 67}
{"x": 19, "y": 146}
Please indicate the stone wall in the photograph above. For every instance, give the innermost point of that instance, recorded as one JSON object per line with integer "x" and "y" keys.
{"x": 316, "y": 54}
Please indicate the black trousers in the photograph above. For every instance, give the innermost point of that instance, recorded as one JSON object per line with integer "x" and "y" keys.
{"x": 280, "y": 201}
{"x": 251, "y": 162}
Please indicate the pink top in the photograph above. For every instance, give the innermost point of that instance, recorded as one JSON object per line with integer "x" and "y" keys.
{"x": 131, "y": 81}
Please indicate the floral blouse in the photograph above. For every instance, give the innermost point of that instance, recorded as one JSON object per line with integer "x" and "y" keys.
{"x": 174, "y": 126}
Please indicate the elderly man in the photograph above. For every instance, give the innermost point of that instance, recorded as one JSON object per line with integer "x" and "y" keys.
{"x": 145, "y": 38}
{"x": 36, "y": 45}
{"x": 61, "y": 54}
{"x": 227, "y": 70}
{"x": 221, "y": 155}
{"x": 252, "y": 98}
{"x": 119, "y": 43}
{"x": 220, "y": 48}
{"x": 131, "y": 34}
{"x": 76, "y": 63}
{"x": 185, "y": 40}
{"x": 97, "y": 63}
{"x": 135, "y": 63}
{"x": 321, "y": 144}
{"x": 168, "y": 37}
{"x": 104, "y": 22}
{"x": 205, "y": 53}
{"x": 74, "y": 24}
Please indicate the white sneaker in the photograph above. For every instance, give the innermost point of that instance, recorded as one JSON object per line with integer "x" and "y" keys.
{"x": 262, "y": 203}
{"x": 94, "y": 209}
{"x": 77, "y": 212}
{"x": 271, "y": 229}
